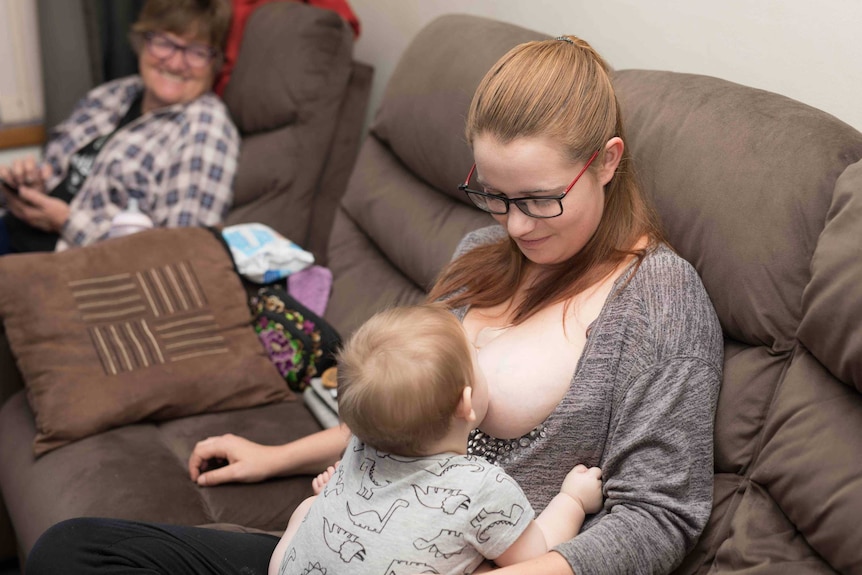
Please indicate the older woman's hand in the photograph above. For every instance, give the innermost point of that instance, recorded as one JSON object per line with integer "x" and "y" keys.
{"x": 26, "y": 172}
{"x": 31, "y": 204}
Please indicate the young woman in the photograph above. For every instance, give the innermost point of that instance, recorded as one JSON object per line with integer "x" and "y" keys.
{"x": 599, "y": 344}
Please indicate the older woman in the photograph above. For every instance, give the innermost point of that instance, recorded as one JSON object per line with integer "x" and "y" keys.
{"x": 161, "y": 137}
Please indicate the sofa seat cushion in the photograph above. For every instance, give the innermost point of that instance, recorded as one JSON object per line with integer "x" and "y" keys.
{"x": 140, "y": 472}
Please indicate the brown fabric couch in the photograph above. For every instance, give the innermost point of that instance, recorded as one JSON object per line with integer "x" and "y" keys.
{"x": 761, "y": 193}
{"x": 299, "y": 100}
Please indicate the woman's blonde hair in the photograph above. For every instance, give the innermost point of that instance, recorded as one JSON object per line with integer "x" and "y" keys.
{"x": 558, "y": 89}
{"x": 208, "y": 19}
{"x": 401, "y": 376}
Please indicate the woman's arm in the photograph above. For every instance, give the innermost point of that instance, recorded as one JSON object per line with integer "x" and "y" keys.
{"x": 658, "y": 473}
{"x": 657, "y": 461}
{"x": 249, "y": 462}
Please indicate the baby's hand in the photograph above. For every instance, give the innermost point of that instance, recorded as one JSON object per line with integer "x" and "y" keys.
{"x": 319, "y": 482}
{"x": 585, "y": 486}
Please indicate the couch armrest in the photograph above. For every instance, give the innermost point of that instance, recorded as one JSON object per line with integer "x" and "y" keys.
{"x": 340, "y": 160}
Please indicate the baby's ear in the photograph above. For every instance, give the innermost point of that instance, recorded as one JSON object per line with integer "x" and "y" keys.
{"x": 465, "y": 406}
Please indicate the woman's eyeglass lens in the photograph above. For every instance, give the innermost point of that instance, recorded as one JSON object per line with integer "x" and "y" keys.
{"x": 162, "y": 47}
{"x": 533, "y": 206}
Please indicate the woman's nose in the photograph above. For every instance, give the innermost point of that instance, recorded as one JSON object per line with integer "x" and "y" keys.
{"x": 177, "y": 60}
{"x": 518, "y": 223}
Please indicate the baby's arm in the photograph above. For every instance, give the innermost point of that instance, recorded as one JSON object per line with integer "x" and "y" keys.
{"x": 292, "y": 527}
{"x": 581, "y": 493}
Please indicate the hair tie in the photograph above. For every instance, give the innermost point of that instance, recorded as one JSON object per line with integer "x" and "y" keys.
{"x": 565, "y": 39}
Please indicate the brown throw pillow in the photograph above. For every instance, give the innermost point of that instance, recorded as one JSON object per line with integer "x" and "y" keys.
{"x": 151, "y": 326}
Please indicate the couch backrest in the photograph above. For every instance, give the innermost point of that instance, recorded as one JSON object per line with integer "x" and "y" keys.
{"x": 402, "y": 215}
{"x": 762, "y": 194}
{"x": 298, "y": 100}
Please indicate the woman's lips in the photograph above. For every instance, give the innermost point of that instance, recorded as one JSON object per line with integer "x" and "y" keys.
{"x": 531, "y": 244}
{"x": 168, "y": 75}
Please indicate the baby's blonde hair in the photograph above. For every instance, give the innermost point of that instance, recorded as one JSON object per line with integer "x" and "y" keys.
{"x": 401, "y": 376}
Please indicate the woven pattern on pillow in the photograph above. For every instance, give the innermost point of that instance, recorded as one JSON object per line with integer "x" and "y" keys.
{"x": 152, "y": 326}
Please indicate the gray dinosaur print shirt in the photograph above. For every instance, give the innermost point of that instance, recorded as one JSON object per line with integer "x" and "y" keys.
{"x": 384, "y": 514}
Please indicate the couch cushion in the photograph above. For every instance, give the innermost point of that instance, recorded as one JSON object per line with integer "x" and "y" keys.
{"x": 744, "y": 181}
{"x": 150, "y": 326}
{"x": 421, "y": 117}
{"x": 140, "y": 472}
{"x": 832, "y": 301}
{"x": 716, "y": 157}
{"x": 809, "y": 463}
{"x": 402, "y": 214}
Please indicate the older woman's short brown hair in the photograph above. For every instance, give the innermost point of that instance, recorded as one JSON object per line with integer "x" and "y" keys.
{"x": 208, "y": 20}
{"x": 401, "y": 376}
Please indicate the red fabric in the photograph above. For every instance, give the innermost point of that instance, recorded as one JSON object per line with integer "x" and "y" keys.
{"x": 242, "y": 9}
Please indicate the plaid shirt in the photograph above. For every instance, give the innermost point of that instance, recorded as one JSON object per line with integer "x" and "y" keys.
{"x": 179, "y": 161}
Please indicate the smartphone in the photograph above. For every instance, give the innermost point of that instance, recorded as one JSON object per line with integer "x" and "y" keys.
{"x": 9, "y": 187}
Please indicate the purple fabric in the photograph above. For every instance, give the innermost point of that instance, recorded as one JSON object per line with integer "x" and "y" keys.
{"x": 311, "y": 287}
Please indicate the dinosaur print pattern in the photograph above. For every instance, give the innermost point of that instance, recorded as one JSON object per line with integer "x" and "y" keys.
{"x": 335, "y": 484}
{"x": 344, "y": 543}
{"x": 486, "y": 520}
{"x": 314, "y": 569}
{"x": 445, "y": 544}
{"x": 469, "y": 463}
{"x": 286, "y": 562}
{"x": 447, "y": 500}
{"x": 393, "y": 515}
{"x": 372, "y": 520}
{"x": 398, "y": 567}
{"x": 368, "y": 484}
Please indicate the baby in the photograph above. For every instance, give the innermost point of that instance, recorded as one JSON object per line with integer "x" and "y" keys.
{"x": 406, "y": 497}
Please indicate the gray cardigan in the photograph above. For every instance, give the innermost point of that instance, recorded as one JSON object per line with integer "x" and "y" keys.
{"x": 641, "y": 406}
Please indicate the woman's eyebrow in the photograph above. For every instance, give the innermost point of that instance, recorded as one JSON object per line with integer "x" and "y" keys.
{"x": 553, "y": 191}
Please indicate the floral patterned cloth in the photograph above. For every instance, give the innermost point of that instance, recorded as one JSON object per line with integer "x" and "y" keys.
{"x": 300, "y": 344}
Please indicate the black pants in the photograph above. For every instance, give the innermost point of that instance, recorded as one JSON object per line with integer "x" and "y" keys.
{"x": 112, "y": 546}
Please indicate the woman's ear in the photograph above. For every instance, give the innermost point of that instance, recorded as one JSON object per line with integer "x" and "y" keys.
{"x": 613, "y": 155}
{"x": 465, "y": 409}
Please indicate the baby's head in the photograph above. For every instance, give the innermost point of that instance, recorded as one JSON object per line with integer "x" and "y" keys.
{"x": 401, "y": 377}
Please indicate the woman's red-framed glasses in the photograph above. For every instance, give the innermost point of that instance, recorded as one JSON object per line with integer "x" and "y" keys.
{"x": 533, "y": 206}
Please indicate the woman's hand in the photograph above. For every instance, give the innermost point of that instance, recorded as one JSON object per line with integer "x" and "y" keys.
{"x": 31, "y": 204}
{"x": 229, "y": 458}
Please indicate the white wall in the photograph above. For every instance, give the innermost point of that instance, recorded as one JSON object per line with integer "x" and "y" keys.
{"x": 10, "y": 155}
{"x": 809, "y": 51}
